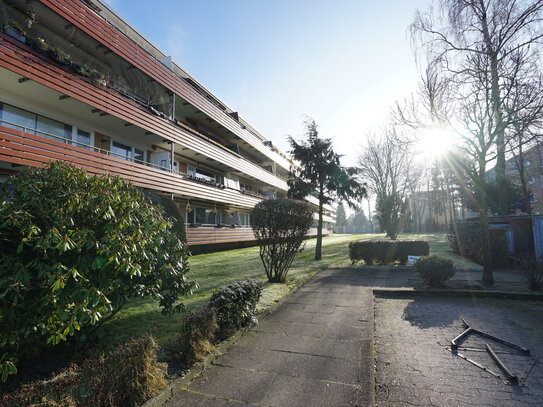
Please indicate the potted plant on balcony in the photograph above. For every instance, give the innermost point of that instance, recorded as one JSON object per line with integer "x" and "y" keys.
{"x": 37, "y": 44}
{"x": 59, "y": 56}
{"x": 31, "y": 16}
{"x": 13, "y": 29}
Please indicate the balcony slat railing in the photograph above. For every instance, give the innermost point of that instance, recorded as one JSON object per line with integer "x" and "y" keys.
{"x": 106, "y": 34}
{"x": 213, "y": 235}
{"x": 19, "y": 58}
{"x": 24, "y": 148}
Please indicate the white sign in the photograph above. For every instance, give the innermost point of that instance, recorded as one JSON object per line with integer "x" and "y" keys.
{"x": 412, "y": 259}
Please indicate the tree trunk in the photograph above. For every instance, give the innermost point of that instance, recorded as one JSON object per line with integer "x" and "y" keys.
{"x": 318, "y": 248}
{"x": 488, "y": 267}
{"x": 522, "y": 176}
{"x": 495, "y": 101}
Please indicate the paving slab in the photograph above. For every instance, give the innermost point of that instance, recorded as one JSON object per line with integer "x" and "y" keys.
{"x": 314, "y": 350}
{"x": 414, "y": 368}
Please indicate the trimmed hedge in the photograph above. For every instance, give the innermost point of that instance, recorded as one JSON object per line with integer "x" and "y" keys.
{"x": 466, "y": 240}
{"x": 127, "y": 376}
{"x": 387, "y": 251}
{"x": 434, "y": 270}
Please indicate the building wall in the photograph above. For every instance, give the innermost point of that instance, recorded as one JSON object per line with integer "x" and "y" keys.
{"x": 154, "y": 126}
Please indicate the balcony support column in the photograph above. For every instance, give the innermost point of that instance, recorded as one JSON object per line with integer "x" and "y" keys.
{"x": 172, "y": 156}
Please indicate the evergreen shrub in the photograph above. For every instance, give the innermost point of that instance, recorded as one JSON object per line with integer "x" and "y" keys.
{"x": 235, "y": 305}
{"x": 434, "y": 270}
{"x": 75, "y": 249}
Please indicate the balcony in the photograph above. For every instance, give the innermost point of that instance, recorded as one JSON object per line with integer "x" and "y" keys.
{"x": 107, "y": 35}
{"x": 20, "y": 59}
{"x": 31, "y": 147}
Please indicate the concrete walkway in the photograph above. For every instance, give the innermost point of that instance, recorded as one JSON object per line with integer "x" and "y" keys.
{"x": 314, "y": 350}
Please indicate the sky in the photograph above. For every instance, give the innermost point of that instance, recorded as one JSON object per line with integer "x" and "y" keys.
{"x": 343, "y": 63}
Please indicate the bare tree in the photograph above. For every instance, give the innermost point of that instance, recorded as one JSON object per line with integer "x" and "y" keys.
{"x": 457, "y": 33}
{"x": 525, "y": 107}
{"x": 386, "y": 164}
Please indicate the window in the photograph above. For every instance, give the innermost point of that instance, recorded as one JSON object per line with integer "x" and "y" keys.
{"x": 121, "y": 150}
{"x": 244, "y": 219}
{"x": 83, "y": 137}
{"x": 52, "y": 128}
{"x": 20, "y": 117}
{"x": 23, "y": 119}
{"x": 202, "y": 215}
{"x": 139, "y": 155}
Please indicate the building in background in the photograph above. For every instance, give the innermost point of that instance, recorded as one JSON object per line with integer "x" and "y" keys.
{"x": 78, "y": 84}
{"x": 532, "y": 164}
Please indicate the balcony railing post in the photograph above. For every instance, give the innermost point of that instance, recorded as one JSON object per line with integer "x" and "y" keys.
{"x": 172, "y": 148}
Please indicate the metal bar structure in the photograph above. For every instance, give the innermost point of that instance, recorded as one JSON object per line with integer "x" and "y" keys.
{"x": 513, "y": 378}
{"x": 455, "y": 342}
{"x": 493, "y": 373}
{"x": 495, "y": 338}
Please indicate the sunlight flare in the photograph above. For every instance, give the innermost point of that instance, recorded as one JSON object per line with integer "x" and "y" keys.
{"x": 434, "y": 142}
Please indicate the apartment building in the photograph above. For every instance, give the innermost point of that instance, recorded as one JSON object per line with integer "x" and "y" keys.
{"x": 533, "y": 176}
{"x": 78, "y": 84}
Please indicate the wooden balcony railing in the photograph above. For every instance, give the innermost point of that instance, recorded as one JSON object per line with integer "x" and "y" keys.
{"x": 106, "y": 34}
{"x": 214, "y": 235}
{"x": 20, "y": 59}
{"x": 36, "y": 150}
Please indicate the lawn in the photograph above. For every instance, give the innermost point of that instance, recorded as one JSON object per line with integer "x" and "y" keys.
{"x": 212, "y": 271}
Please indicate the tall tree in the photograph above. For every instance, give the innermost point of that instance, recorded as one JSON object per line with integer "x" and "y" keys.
{"x": 491, "y": 33}
{"x": 341, "y": 216}
{"x": 318, "y": 172}
{"x": 386, "y": 164}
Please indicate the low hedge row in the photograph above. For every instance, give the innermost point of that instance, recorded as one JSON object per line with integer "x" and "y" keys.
{"x": 387, "y": 251}
{"x": 127, "y": 376}
{"x": 466, "y": 239}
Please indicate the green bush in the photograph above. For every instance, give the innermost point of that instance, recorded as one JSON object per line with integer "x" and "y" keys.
{"x": 235, "y": 306}
{"x": 532, "y": 270}
{"x": 434, "y": 270}
{"x": 387, "y": 251}
{"x": 465, "y": 238}
{"x": 280, "y": 227}
{"x": 198, "y": 329}
{"x": 127, "y": 376}
{"x": 74, "y": 249}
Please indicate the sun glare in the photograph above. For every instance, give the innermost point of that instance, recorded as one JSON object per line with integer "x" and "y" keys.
{"x": 434, "y": 142}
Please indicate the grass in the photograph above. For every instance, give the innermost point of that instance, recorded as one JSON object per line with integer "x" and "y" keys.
{"x": 213, "y": 271}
